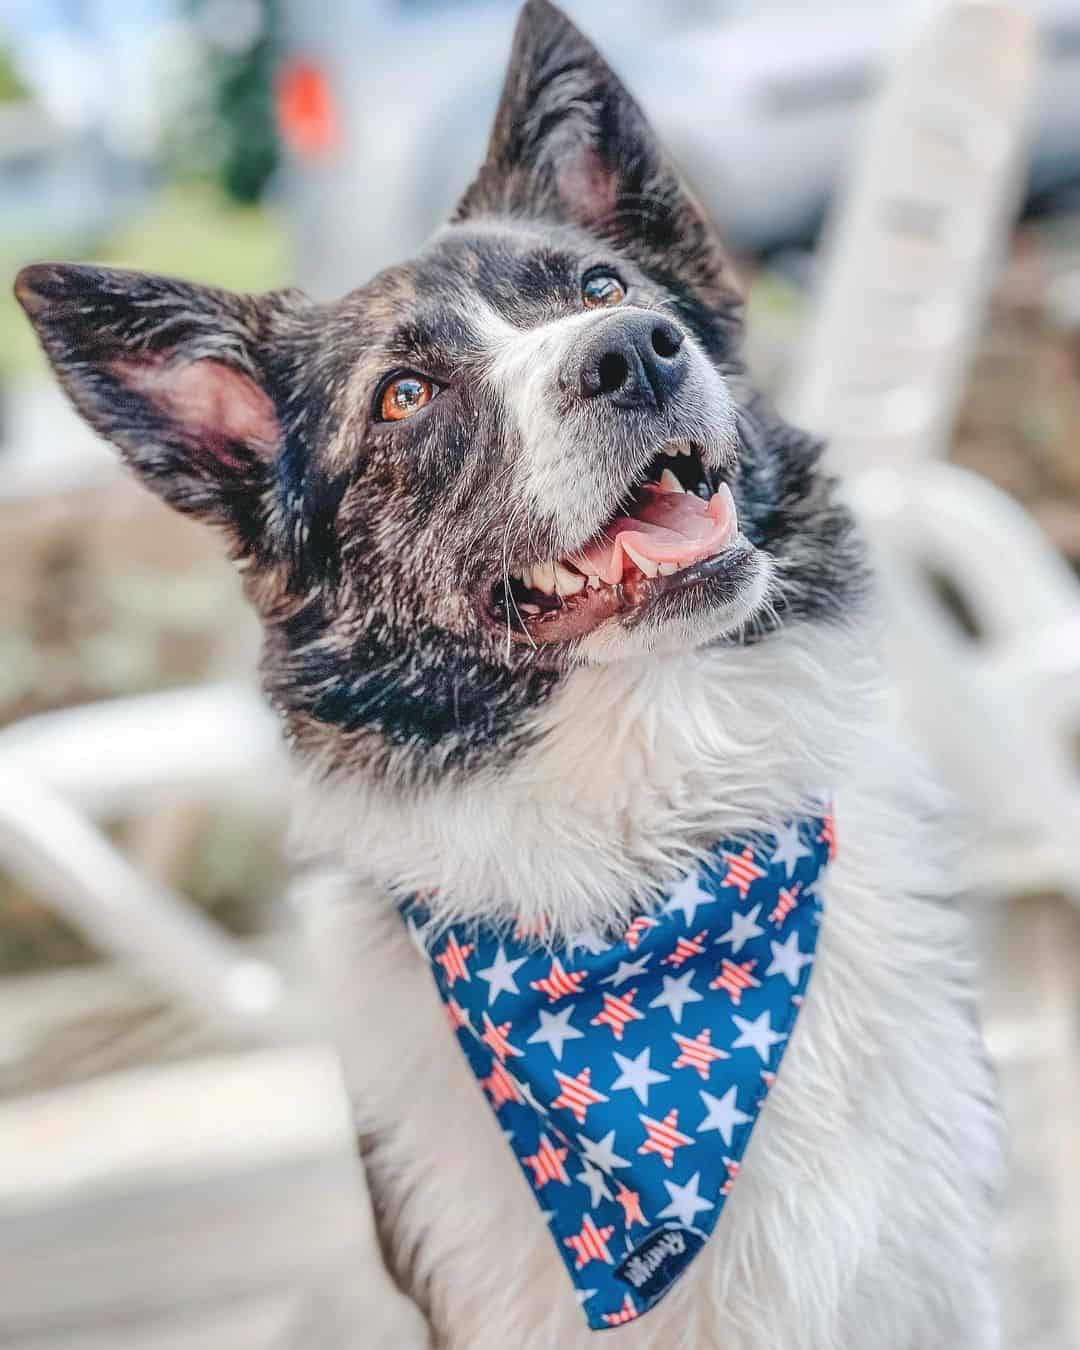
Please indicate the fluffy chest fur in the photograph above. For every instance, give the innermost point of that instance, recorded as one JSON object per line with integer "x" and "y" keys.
{"x": 861, "y": 1213}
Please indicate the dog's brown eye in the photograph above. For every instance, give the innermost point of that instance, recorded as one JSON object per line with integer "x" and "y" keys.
{"x": 602, "y": 288}
{"x": 403, "y": 396}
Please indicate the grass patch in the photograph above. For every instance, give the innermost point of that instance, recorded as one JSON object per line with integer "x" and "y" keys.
{"x": 191, "y": 231}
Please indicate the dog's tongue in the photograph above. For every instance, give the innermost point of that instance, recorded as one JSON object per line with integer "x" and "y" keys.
{"x": 664, "y": 527}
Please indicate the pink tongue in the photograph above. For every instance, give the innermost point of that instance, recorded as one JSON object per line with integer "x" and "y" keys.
{"x": 666, "y": 527}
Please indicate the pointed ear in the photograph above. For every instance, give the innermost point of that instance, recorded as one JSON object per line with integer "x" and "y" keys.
{"x": 172, "y": 373}
{"x": 571, "y": 144}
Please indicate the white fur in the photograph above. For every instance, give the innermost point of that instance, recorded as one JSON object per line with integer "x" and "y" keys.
{"x": 862, "y": 1213}
{"x": 563, "y": 481}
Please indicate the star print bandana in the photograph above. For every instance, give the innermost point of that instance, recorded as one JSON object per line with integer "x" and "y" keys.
{"x": 627, "y": 1076}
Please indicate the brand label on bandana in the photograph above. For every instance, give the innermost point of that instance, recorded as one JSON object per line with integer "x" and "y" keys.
{"x": 627, "y": 1076}
{"x": 659, "y": 1261}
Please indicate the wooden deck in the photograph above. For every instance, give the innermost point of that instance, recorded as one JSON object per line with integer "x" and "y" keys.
{"x": 219, "y": 1242}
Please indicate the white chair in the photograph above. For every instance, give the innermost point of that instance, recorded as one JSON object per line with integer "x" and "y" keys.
{"x": 64, "y": 774}
{"x": 910, "y": 257}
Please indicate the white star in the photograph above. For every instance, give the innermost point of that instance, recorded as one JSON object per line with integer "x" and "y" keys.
{"x": 789, "y": 848}
{"x": 688, "y": 897}
{"x": 787, "y": 959}
{"x": 627, "y": 970}
{"x": 676, "y": 993}
{"x": 602, "y": 1153}
{"x": 723, "y": 1114}
{"x": 686, "y": 1201}
{"x": 743, "y": 928}
{"x": 636, "y": 1075}
{"x": 583, "y": 1295}
{"x": 814, "y": 887}
{"x": 596, "y": 1183}
{"x": 500, "y": 975}
{"x": 590, "y": 942}
{"x": 555, "y": 1030}
{"x": 758, "y": 1035}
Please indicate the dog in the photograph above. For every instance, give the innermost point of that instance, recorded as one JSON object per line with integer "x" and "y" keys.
{"x": 553, "y": 601}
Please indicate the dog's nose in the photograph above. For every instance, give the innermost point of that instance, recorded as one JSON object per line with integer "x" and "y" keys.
{"x": 633, "y": 360}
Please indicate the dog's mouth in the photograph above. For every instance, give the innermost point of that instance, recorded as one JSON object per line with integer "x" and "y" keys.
{"x": 673, "y": 530}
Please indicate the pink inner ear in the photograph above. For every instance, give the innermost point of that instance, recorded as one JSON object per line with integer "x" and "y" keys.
{"x": 588, "y": 189}
{"x": 211, "y": 404}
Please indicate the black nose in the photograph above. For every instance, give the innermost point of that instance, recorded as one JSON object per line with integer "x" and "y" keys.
{"x": 633, "y": 360}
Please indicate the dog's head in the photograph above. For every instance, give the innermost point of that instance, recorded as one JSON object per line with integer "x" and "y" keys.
{"x": 527, "y": 448}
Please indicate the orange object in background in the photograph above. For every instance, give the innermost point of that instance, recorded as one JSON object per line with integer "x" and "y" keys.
{"x": 306, "y": 117}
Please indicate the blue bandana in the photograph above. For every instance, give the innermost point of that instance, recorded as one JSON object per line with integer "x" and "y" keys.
{"x": 628, "y": 1076}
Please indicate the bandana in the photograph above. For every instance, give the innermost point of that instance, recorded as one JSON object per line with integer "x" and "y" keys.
{"x": 628, "y": 1076}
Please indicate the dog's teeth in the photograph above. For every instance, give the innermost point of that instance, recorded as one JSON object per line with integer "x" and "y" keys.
{"x": 668, "y": 569}
{"x": 531, "y": 610}
{"x": 543, "y": 577}
{"x": 593, "y": 583}
{"x": 670, "y": 483}
{"x": 645, "y": 564}
{"x": 567, "y": 582}
{"x": 726, "y": 504}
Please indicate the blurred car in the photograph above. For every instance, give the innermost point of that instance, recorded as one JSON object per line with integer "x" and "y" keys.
{"x": 55, "y": 185}
{"x": 757, "y": 101}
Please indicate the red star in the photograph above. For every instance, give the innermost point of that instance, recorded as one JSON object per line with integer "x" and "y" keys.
{"x": 698, "y": 1053}
{"x": 685, "y": 948}
{"x": 557, "y": 983}
{"x": 732, "y": 1172}
{"x": 734, "y": 977}
{"x": 456, "y": 1014}
{"x": 626, "y": 1313}
{"x": 663, "y": 1136}
{"x": 617, "y": 1012}
{"x": 577, "y": 1094}
{"x": 742, "y": 871}
{"x": 495, "y": 1039}
{"x": 502, "y": 1086}
{"x": 828, "y": 834}
{"x": 590, "y": 1244}
{"x": 632, "y": 936}
{"x": 547, "y": 1163}
{"x": 453, "y": 958}
{"x": 789, "y": 898}
{"x": 631, "y": 1203}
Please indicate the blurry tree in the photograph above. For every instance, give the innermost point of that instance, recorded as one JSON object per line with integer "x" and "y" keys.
{"x": 12, "y": 89}
{"x": 239, "y": 140}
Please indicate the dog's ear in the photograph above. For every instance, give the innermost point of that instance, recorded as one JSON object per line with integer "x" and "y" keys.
{"x": 172, "y": 374}
{"x": 571, "y": 144}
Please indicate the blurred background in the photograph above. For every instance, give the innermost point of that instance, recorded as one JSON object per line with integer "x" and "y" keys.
{"x": 900, "y": 187}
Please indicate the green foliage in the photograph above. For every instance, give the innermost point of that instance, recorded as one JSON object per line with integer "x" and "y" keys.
{"x": 12, "y": 88}
{"x": 240, "y": 133}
